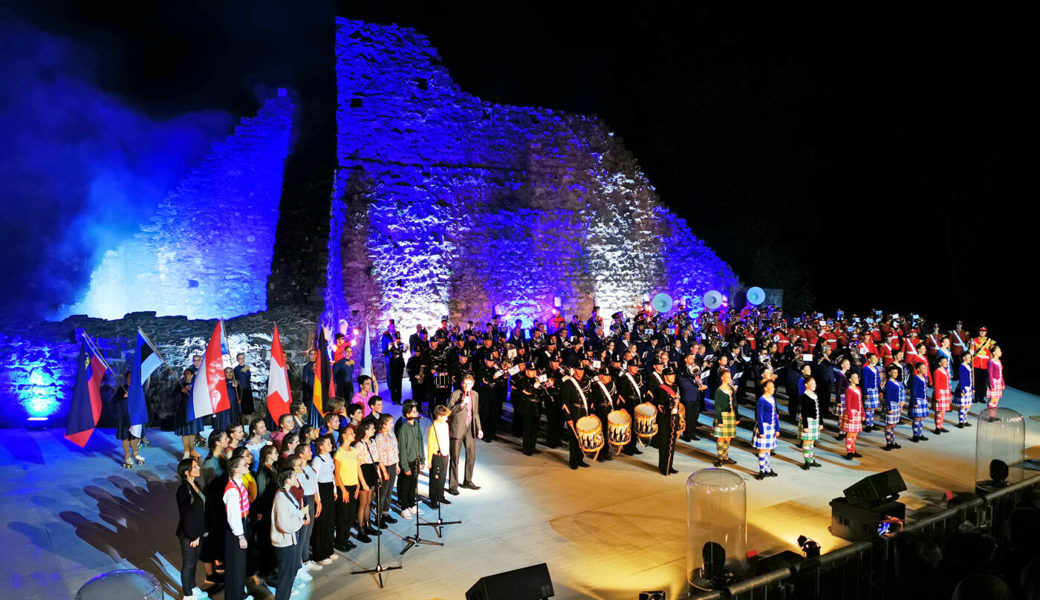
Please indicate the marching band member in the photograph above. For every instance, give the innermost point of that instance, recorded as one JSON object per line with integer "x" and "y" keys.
{"x": 959, "y": 340}
{"x": 810, "y": 423}
{"x": 995, "y": 368}
{"x": 894, "y": 397}
{"x": 965, "y": 393}
{"x": 980, "y": 349}
{"x": 852, "y": 416}
{"x": 667, "y": 401}
{"x": 767, "y": 429}
{"x": 629, "y": 389}
{"x": 603, "y": 395}
{"x": 725, "y": 417}
{"x": 919, "y": 402}
{"x": 941, "y": 392}
{"x": 575, "y": 406}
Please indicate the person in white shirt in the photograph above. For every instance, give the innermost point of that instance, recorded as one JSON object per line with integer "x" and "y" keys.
{"x": 287, "y": 518}
{"x": 236, "y": 503}
{"x": 308, "y": 479}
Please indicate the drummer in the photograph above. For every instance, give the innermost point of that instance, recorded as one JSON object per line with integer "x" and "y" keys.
{"x": 604, "y": 399}
{"x": 575, "y": 406}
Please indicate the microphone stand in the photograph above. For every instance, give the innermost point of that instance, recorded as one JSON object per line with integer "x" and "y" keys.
{"x": 379, "y": 568}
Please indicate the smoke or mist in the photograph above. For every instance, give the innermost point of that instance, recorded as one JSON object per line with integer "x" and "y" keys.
{"x": 80, "y": 168}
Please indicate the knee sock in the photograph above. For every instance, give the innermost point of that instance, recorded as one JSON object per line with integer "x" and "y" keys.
{"x": 723, "y": 446}
{"x": 939, "y": 419}
{"x": 807, "y": 452}
{"x": 763, "y": 462}
{"x": 890, "y": 436}
{"x": 850, "y": 443}
{"x": 962, "y": 413}
{"x": 993, "y": 403}
{"x": 918, "y": 428}
{"x": 870, "y": 418}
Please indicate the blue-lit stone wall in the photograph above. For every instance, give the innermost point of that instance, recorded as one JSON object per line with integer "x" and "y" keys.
{"x": 447, "y": 204}
{"x": 207, "y": 251}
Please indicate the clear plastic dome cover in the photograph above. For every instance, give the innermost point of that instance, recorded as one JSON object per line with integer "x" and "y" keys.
{"x": 716, "y": 528}
{"x": 1000, "y": 445}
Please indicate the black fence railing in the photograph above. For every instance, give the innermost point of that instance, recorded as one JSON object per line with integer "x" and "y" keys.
{"x": 867, "y": 570}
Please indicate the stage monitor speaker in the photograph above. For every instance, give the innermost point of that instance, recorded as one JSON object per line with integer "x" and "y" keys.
{"x": 860, "y": 523}
{"x": 528, "y": 583}
{"x": 880, "y": 487}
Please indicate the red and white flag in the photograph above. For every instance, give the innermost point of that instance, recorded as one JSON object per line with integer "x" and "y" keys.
{"x": 209, "y": 393}
{"x": 278, "y": 395}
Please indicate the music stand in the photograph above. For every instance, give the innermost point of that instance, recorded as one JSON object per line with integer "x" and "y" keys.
{"x": 379, "y": 568}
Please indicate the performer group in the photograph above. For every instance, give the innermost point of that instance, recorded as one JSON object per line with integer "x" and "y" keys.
{"x": 276, "y": 500}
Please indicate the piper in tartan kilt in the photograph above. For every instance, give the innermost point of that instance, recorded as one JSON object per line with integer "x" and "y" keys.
{"x": 810, "y": 423}
{"x": 919, "y": 402}
{"x": 894, "y": 395}
{"x": 767, "y": 429}
{"x": 725, "y": 417}
{"x": 852, "y": 417}
{"x": 871, "y": 391}
{"x": 965, "y": 394}
{"x": 995, "y": 391}
{"x": 941, "y": 393}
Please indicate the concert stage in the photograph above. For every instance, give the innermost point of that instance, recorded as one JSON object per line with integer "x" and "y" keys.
{"x": 606, "y": 532}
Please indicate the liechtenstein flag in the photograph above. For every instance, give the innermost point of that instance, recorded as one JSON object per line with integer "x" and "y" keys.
{"x": 208, "y": 390}
{"x": 85, "y": 408}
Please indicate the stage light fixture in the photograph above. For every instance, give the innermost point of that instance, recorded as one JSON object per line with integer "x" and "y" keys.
{"x": 37, "y": 423}
{"x": 809, "y": 547}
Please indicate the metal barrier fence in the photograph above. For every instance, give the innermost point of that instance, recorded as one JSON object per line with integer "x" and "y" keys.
{"x": 867, "y": 570}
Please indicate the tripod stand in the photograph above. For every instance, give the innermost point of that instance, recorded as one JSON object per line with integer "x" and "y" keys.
{"x": 379, "y": 569}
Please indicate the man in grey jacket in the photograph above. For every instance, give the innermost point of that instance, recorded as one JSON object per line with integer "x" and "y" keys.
{"x": 464, "y": 429}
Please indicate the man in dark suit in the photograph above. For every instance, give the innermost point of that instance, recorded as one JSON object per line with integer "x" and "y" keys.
{"x": 464, "y": 429}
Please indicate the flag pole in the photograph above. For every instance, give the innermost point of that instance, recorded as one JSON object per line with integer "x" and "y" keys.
{"x": 156, "y": 350}
{"x": 96, "y": 351}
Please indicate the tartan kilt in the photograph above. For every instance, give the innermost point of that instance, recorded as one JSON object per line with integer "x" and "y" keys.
{"x": 852, "y": 421}
{"x": 919, "y": 410}
{"x": 727, "y": 428}
{"x": 995, "y": 393}
{"x": 871, "y": 399}
{"x": 893, "y": 417}
{"x": 810, "y": 432}
{"x": 765, "y": 438}
{"x": 942, "y": 400}
{"x": 965, "y": 398}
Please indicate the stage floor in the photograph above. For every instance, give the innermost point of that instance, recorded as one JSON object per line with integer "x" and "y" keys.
{"x": 606, "y": 532}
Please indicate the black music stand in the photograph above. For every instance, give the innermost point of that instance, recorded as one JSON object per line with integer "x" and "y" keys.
{"x": 379, "y": 568}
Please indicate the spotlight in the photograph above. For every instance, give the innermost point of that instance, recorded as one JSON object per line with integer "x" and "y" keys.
{"x": 809, "y": 547}
{"x": 556, "y": 301}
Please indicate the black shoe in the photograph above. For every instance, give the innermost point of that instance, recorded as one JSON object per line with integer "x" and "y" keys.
{"x": 760, "y": 475}
{"x": 433, "y": 505}
{"x": 924, "y": 439}
{"x": 815, "y": 464}
{"x": 717, "y": 462}
{"x": 363, "y": 538}
{"x": 445, "y": 502}
{"x": 848, "y": 456}
{"x": 453, "y": 491}
{"x": 942, "y": 430}
{"x": 896, "y": 446}
{"x": 857, "y": 455}
{"x": 469, "y": 485}
{"x": 960, "y": 425}
{"x": 805, "y": 466}
{"x": 636, "y": 451}
{"x": 915, "y": 439}
{"x": 967, "y": 425}
{"x": 672, "y": 471}
{"x": 729, "y": 461}
{"x": 574, "y": 467}
{"x": 938, "y": 431}
{"x": 526, "y": 452}
{"x": 339, "y": 548}
{"x": 772, "y": 474}
{"x": 389, "y": 519}
{"x": 583, "y": 464}
{"x": 888, "y": 447}
{"x": 868, "y": 428}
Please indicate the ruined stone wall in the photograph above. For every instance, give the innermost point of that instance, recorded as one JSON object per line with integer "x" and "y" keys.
{"x": 445, "y": 204}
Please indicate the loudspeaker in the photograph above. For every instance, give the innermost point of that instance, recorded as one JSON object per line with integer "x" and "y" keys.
{"x": 881, "y": 487}
{"x": 528, "y": 583}
{"x": 860, "y": 522}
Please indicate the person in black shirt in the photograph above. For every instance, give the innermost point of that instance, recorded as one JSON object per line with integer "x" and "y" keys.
{"x": 191, "y": 524}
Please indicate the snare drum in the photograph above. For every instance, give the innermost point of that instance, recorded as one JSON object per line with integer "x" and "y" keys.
{"x": 590, "y": 434}
{"x": 619, "y": 427}
{"x": 646, "y": 421}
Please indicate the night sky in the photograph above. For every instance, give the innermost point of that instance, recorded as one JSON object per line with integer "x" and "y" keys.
{"x": 856, "y": 158}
